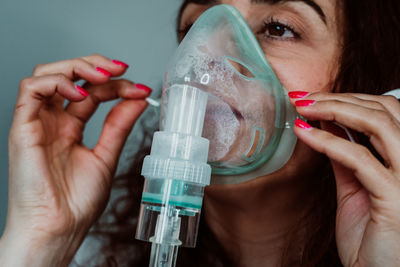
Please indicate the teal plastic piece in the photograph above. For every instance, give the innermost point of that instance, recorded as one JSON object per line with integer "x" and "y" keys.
{"x": 179, "y": 201}
{"x": 169, "y": 192}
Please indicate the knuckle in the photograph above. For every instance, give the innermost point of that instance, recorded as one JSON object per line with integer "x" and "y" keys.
{"x": 384, "y": 119}
{"x": 61, "y": 78}
{"x": 332, "y": 106}
{"x": 329, "y": 103}
{"x": 319, "y": 95}
{"x": 77, "y": 62}
{"x": 378, "y": 105}
{"x": 348, "y": 94}
{"x": 123, "y": 82}
{"x": 26, "y": 84}
{"x": 96, "y": 57}
{"x": 37, "y": 70}
{"x": 362, "y": 154}
{"x": 80, "y": 61}
{"x": 381, "y": 116}
{"x": 390, "y": 101}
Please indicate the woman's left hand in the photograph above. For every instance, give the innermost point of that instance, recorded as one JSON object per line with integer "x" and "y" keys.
{"x": 368, "y": 192}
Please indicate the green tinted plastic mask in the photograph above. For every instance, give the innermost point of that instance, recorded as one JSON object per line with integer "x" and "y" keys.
{"x": 249, "y": 118}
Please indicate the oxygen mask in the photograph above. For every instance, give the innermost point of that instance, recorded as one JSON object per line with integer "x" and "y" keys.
{"x": 223, "y": 110}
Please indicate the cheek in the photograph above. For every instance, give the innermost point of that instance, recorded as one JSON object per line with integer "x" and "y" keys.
{"x": 304, "y": 75}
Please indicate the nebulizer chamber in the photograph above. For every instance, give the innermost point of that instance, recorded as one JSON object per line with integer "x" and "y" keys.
{"x": 176, "y": 173}
{"x": 219, "y": 85}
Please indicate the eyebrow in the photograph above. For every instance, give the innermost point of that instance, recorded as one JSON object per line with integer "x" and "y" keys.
{"x": 310, "y": 3}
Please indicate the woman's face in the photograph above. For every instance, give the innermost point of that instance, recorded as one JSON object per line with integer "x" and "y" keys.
{"x": 300, "y": 39}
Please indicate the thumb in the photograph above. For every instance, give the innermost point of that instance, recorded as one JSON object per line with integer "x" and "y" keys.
{"x": 117, "y": 126}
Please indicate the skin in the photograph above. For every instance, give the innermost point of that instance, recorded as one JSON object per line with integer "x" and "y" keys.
{"x": 258, "y": 235}
{"x": 58, "y": 187}
{"x": 254, "y": 234}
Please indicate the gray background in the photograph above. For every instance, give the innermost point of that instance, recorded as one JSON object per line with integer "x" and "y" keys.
{"x": 141, "y": 33}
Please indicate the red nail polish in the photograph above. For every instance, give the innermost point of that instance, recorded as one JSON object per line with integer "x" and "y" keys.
{"x": 143, "y": 87}
{"x": 120, "y": 63}
{"x": 81, "y": 90}
{"x": 302, "y": 124}
{"x": 304, "y": 103}
{"x": 298, "y": 94}
{"x": 103, "y": 71}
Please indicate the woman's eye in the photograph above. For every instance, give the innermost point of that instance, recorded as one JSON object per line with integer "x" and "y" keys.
{"x": 276, "y": 30}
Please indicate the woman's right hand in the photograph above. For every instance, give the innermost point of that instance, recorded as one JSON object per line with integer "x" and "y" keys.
{"x": 57, "y": 186}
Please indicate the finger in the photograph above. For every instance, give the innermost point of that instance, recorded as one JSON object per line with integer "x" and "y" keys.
{"x": 382, "y": 129}
{"x": 385, "y": 103}
{"x": 389, "y": 102}
{"x": 371, "y": 174}
{"x": 346, "y": 184}
{"x": 116, "y": 129}
{"x": 100, "y": 93}
{"x": 368, "y": 101}
{"x": 34, "y": 91}
{"x": 94, "y": 69}
{"x": 345, "y": 97}
{"x": 115, "y": 67}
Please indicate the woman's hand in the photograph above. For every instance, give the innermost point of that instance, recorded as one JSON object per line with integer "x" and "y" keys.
{"x": 368, "y": 192}
{"x": 58, "y": 187}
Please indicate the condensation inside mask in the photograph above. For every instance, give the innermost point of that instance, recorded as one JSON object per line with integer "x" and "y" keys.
{"x": 245, "y": 110}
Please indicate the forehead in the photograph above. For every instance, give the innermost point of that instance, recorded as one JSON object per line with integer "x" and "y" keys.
{"x": 326, "y": 9}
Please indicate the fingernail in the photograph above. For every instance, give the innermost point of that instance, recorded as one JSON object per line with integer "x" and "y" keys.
{"x": 103, "y": 71}
{"x": 81, "y": 90}
{"x": 144, "y": 87}
{"x": 120, "y": 63}
{"x": 298, "y": 94}
{"x": 304, "y": 103}
{"x": 302, "y": 124}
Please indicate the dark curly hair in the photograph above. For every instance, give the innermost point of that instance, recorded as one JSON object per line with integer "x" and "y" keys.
{"x": 369, "y": 63}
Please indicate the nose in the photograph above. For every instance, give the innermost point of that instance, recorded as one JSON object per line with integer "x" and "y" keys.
{"x": 242, "y": 69}
{"x": 243, "y": 6}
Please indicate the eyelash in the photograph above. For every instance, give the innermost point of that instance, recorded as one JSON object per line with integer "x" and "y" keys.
{"x": 276, "y": 22}
{"x": 271, "y": 21}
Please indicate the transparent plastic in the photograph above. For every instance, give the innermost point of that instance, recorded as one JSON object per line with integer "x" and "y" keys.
{"x": 178, "y": 151}
{"x": 220, "y": 88}
{"x": 176, "y": 172}
{"x": 170, "y": 199}
{"x": 248, "y": 110}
